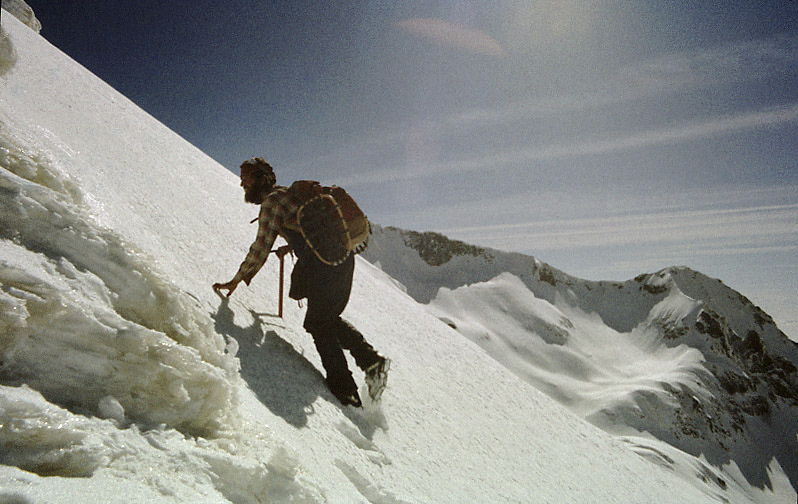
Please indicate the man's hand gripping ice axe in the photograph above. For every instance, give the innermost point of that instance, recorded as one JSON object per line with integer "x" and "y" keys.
{"x": 230, "y": 286}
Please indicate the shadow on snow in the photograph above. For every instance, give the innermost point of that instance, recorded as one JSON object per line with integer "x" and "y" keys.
{"x": 280, "y": 376}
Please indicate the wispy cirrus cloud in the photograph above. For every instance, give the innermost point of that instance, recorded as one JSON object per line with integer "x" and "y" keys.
{"x": 453, "y": 35}
{"x": 752, "y": 60}
{"x": 728, "y": 229}
{"x": 379, "y": 157}
{"x": 733, "y": 62}
{"x": 709, "y": 127}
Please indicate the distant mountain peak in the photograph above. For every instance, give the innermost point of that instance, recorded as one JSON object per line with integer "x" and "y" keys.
{"x": 742, "y": 388}
{"x": 436, "y": 249}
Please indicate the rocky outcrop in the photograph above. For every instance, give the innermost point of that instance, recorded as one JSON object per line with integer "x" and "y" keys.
{"x": 436, "y": 249}
{"x": 22, "y": 11}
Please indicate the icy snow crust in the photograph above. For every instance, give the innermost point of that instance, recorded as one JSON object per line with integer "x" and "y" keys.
{"x": 125, "y": 378}
{"x": 85, "y": 317}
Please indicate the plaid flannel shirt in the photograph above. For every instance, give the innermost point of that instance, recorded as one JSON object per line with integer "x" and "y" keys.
{"x": 278, "y": 208}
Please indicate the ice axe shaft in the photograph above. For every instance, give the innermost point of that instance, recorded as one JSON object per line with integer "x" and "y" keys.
{"x": 280, "y": 297}
{"x": 281, "y": 252}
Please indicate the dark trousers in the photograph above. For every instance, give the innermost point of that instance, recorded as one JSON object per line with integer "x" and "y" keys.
{"x": 327, "y": 289}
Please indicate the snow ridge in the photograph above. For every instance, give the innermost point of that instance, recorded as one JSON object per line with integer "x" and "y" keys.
{"x": 673, "y": 354}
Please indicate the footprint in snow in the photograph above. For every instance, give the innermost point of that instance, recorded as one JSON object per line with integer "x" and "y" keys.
{"x": 371, "y": 450}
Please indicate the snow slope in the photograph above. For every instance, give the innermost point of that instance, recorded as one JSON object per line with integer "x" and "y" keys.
{"x": 124, "y": 377}
{"x": 673, "y": 357}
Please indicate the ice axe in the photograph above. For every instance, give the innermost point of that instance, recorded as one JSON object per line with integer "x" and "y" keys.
{"x": 281, "y": 252}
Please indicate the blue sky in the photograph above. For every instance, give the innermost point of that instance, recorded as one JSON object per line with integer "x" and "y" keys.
{"x": 607, "y": 138}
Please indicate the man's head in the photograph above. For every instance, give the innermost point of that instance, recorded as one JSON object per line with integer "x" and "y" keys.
{"x": 257, "y": 179}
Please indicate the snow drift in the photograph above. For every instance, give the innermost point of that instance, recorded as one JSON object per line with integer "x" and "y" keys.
{"x": 77, "y": 294}
{"x": 124, "y": 377}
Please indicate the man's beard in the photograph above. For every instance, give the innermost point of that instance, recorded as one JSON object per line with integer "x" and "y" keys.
{"x": 256, "y": 192}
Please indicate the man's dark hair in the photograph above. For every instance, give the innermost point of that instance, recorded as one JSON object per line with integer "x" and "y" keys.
{"x": 261, "y": 168}
{"x": 264, "y": 182}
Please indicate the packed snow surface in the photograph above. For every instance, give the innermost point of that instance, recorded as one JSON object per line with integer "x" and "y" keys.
{"x": 124, "y": 377}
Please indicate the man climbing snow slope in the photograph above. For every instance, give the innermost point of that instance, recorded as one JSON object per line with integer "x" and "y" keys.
{"x": 308, "y": 217}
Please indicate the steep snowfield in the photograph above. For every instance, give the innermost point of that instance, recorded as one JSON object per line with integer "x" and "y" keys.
{"x": 125, "y": 378}
{"x": 671, "y": 357}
